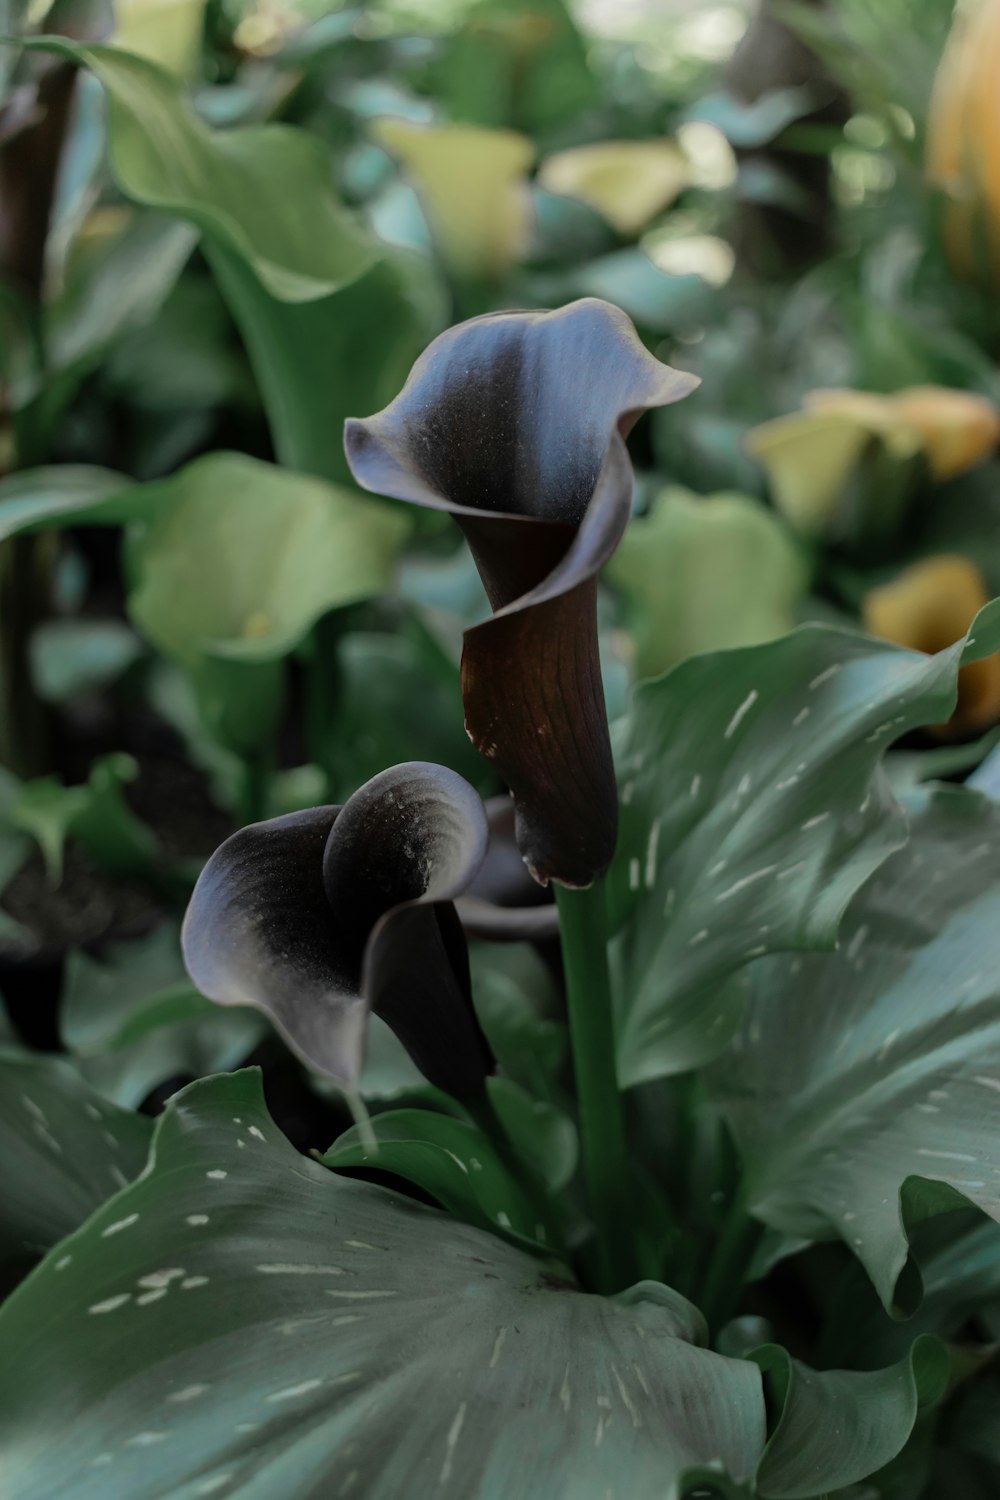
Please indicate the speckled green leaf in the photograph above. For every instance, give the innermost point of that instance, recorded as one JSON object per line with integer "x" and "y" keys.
{"x": 754, "y": 806}
{"x": 245, "y": 1323}
{"x": 836, "y": 1427}
{"x": 864, "y": 1085}
{"x": 63, "y": 1152}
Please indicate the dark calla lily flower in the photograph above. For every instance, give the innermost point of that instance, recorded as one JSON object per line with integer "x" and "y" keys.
{"x": 515, "y": 424}
{"x": 319, "y": 917}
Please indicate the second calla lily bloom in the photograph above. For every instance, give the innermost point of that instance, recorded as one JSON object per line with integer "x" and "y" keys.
{"x": 319, "y": 917}
{"x": 515, "y": 424}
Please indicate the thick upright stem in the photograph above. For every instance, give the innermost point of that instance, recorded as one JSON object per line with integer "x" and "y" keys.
{"x": 583, "y": 924}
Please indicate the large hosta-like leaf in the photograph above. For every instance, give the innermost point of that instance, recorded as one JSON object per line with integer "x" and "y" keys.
{"x": 864, "y": 1085}
{"x": 244, "y": 1323}
{"x": 63, "y": 1152}
{"x": 285, "y": 253}
{"x": 165, "y": 157}
{"x": 754, "y": 806}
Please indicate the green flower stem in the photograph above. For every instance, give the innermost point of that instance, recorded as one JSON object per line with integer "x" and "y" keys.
{"x": 255, "y": 788}
{"x": 729, "y": 1263}
{"x": 324, "y": 695}
{"x": 583, "y": 926}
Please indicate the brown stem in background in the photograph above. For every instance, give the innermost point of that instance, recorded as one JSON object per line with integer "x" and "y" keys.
{"x": 30, "y": 159}
{"x": 774, "y": 239}
{"x": 29, "y": 171}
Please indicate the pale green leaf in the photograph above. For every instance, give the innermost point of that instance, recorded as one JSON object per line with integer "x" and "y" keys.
{"x": 71, "y": 657}
{"x": 95, "y": 813}
{"x": 275, "y": 552}
{"x": 230, "y": 184}
{"x": 702, "y": 574}
{"x": 344, "y": 355}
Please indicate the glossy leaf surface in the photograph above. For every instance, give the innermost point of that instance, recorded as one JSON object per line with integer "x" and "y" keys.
{"x": 451, "y": 1160}
{"x": 63, "y": 1152}
{"x": 753, "y": 808}
{"x": 268, "y": 1322}
{"x": 864, "y": 1085}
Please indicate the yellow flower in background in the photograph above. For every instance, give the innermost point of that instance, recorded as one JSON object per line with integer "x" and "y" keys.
{"x": 928, "y": 608}
{"x": 627, "y": 182}
{"x": 168, "y": 32}
{"x": 472, "y": 183}
{"x": 963, "y": 139}
{"x": 957, "y": 429}
{"x": 811, "y": 457}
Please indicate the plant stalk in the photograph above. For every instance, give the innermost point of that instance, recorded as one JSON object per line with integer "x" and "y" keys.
{"x": 729, "y": 1263}
{"x": 583, "y": 927}
{"x": 255, "y": 789}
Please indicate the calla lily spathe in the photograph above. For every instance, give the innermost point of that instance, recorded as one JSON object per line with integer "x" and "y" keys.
{"x": 320, "y": 917}
{"x": 963, "y": 141}
{"x": 515, "y": 424}
{"x": 928, "y": 607}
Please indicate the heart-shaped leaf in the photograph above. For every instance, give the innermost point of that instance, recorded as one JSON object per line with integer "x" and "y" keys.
{"x": 275, "y": 552}
{"x": 285, "y": 254}
{"x": 704, "y": 573}
{"x": 864, "y": 1085}
{"x": 244, "y": 1322}
{"x": 63, "y": 1152}
{"x": 753, "y": 807}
